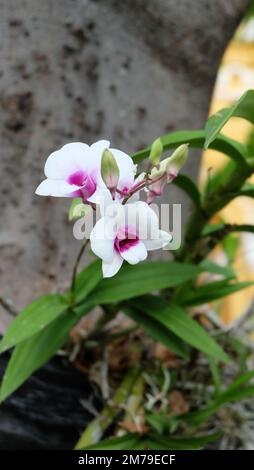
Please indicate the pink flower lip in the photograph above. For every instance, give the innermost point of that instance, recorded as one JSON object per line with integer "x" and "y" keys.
{"x": 125, "y": 241}
{"x": 86, "y": 183}
{"x": 78, "y": 178}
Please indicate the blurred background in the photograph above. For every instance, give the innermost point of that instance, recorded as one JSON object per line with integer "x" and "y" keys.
{"x": 235, "y": 76}
{"x": 126, "y": 71}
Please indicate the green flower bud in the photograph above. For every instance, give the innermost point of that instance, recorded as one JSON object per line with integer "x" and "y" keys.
{"x": 177, "y": 160}
{"x": 156, "y": 152}
{"x": 109, "y": 170}
{"x": 78, "y": 209}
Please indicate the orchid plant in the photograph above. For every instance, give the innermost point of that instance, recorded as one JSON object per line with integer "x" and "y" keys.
{"x": 128, "y": 228}
{"x": 159, "y": 297}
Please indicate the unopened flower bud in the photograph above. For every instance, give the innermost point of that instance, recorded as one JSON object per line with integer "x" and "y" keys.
{"x": 156, "y": 188}
{"x": 109, "y": 170}
{"x": 156, "y": 152}
{"x": 177, "y": 160}
{"x": 78, "y": 209}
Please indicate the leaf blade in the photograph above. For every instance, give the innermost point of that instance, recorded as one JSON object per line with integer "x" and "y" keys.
{"x": 33, "y": 318}
{"x": 158, "y": 332}
{"x": 32, "y": 353}
{"x": 176, "y": 320}
{"x": 242, "y": 108}
{"x": 133, "y": 281}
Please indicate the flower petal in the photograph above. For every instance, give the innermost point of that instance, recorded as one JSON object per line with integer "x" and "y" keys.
{"x": 102, "y": 239}
{"x": 124, "y": 162}
{"x": 69, "y": 159}
{"x": 141, "y": 220}
{"x": 126, "y": 167}
{"x": 155, "y": 244}
{"x": 57, "y": 188}
{"x": 135, "y": 253}
{"x": 110, "y": 269}
{"x": 100, "y": 146}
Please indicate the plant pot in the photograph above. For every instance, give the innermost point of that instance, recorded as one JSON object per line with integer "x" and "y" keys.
{"x": 46, "y": 412}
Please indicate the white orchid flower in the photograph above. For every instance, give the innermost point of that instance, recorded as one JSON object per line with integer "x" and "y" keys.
{"x": 126, "y": 232}
{"x": 75, "y": 171}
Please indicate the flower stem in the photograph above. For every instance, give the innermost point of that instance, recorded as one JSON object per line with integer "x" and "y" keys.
{"x": 75, "y": 271}
{"x": 100, "y": 424}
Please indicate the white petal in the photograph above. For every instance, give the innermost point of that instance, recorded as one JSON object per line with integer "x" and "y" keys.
{"x": 155, "y": 244}
{"x": 55, "y": 188}
{"x": 141, "y": 220}
{"x": 126, "y": 167}
{"x": 102, "y": 197}
{"x": 135, "y": 253}
{"x": 124, "y": 162}
{"x": 69, "y": 159}
{"x": 102, "y": 239}
{"x": 110, "y": 269}
{"x": 100, "y": 146}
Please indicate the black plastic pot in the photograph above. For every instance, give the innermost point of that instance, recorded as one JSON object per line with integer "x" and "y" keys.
{"x": 46, "y": 412}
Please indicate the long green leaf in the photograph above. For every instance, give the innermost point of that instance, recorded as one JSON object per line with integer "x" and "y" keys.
{"x": 87, "y": 280}
{"x": 126, "y": 442}
{"x": 242, "y": 379}
{"x": 159, "y": 442}
{"x": 175, "y": 319}
{"x": 32, "y": 353}
{"x": 133, "y": 281}
{"x": 246, "y": 190}
{"x": 35, "y": 317}
{"x": 215, "y": 229}
{"x": 236, "y": 394}
{"x": 158, "y": 332}
{"x": 243, "y": 108}
{"x": 196, "y": 139}
{"x": 211, "y": 291}
{"x": 214, "y": 268}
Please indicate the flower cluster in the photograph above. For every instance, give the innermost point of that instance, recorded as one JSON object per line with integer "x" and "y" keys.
{"x": 107, "y": 177}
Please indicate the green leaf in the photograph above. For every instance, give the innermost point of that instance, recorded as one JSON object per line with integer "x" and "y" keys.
{"x": 186, "y": 184}
{"x": 35, "y": 317}
{"x": 87, "y": 280}
{"x": 214, "y": 268}
{"x": 78, "y": 209}
{"x": 233, "y": 393}
{"x": 126, "y": 442}
{"x": 158, "y": 332}
{"x": 197, "y": 417}
{"x": 236, "y": 395}
{"x": 230, "y": 245}
{"x": 175, "y": 319}
{"x": 158, "y": 442}
{"x": 211, "y": 291}
{"x": 217, "y": 229}
{"x": 160, "y": 422}
{"x": 235, "y": 386}
{"x": 211, "y": 229}
{"x": 133, "y": 281}
{"x": 246, "y": 190}
{"x": 215, "y": 371}
{"x": 241, "y": 380}
{"x": 32, "y": 353}
{"x": 196, "y": 139}
{"x": 242, "y": 108}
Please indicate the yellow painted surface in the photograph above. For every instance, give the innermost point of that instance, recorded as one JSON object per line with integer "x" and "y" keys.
{"x": 235, "y": 76}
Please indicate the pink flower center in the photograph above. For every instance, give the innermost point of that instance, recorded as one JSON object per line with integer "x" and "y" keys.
{"x": 125, "y": 243}
{"x": 86, "y": 183}
{"x": 79, "y": 178}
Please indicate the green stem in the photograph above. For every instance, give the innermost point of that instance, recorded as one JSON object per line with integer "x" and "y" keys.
{"x": 75, "y": 271}
{"x": 100, "y": 424}
{"x": 134, "y": 402}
